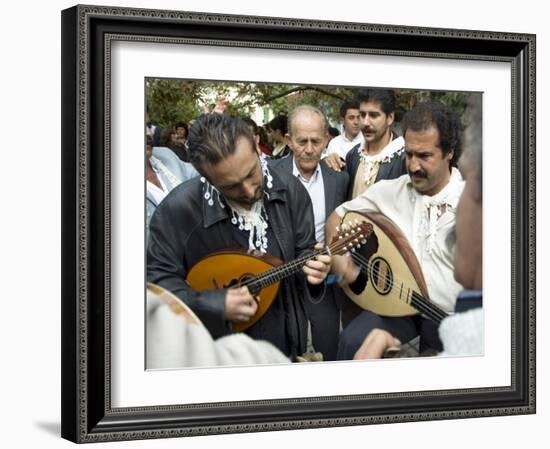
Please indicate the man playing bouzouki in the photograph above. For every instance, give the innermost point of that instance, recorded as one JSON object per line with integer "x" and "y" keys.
{"x": 461, "y": 333}
{"x": 238, "y": 202}
{"x": 422, "y": 204}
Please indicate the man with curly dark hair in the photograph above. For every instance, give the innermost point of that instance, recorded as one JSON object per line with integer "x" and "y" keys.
{"x": 462, "y": 332}
{"x": 435, "y": 120}
{"x": 422, "y": 204}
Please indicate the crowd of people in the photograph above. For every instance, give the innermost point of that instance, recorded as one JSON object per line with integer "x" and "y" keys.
{"x": 282, "y": 190}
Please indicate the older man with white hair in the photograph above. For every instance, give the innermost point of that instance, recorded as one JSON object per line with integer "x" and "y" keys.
{"x": 307, "y": 136}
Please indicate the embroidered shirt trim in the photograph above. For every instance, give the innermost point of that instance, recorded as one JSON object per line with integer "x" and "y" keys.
{"x": 255, "y": 220}
{"x": 433, "y": 207}
{"x": 371, "y": 163}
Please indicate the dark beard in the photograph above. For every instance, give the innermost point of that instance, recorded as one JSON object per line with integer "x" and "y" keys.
{"x": 258, "y": 196}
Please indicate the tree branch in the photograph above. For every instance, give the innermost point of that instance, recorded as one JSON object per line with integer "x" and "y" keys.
{"x": 303, "y": 89}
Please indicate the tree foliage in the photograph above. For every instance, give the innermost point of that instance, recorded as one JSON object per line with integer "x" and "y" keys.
{"x": 172, "y": 100}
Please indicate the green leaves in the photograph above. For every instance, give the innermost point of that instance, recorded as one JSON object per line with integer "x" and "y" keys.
{"x": 172, "y": 100}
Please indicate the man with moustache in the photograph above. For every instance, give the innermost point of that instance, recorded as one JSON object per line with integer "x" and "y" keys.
{"x": 461, "y": 333}
{"x": 381, "y": 155}
{"x": 422, "y": 204}
{"x": 238, "y": 202}
{"x": 307, "y": 136}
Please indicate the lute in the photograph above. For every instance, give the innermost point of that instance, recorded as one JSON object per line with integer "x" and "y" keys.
{"x": 262, "y": 274}
{"x": 395, "y": 282}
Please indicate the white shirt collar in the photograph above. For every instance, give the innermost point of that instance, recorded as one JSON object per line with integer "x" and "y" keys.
{"x": 432, "y": 207}
{"x": 297, "y": 173}
{"x": 357, "y": 138}
{"x": 450, "y": 194}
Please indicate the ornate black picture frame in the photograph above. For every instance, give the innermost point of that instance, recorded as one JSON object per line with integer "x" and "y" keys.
{"x": 87, "y": 34}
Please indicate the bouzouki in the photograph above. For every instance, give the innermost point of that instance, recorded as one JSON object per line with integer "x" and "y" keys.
{"x": 395, "y": 283}
{"x": 262, "y": 274}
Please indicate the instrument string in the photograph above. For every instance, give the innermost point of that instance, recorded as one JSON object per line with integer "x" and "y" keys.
{"x": 419, "y": 302}
{"x": 276, "y": 273}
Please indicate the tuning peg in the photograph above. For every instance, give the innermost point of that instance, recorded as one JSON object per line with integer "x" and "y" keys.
{"x": 363, "y": 242}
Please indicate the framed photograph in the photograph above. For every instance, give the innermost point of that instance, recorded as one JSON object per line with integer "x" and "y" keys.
{"x": 108, "y": 56}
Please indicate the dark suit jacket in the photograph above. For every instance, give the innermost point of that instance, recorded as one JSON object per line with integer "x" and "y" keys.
{"x": 324, "y": 314}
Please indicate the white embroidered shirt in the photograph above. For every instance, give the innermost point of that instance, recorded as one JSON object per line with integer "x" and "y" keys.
{"x": 426, "y": 222}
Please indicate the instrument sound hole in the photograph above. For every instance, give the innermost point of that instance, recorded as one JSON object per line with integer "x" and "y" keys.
{"x": 232, "y": 283}
{"x": 245, "y": 279}
{"x": 381, "y": 276}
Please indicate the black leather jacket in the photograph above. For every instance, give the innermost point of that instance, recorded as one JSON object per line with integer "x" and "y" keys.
{"x": 185, "y": 229}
